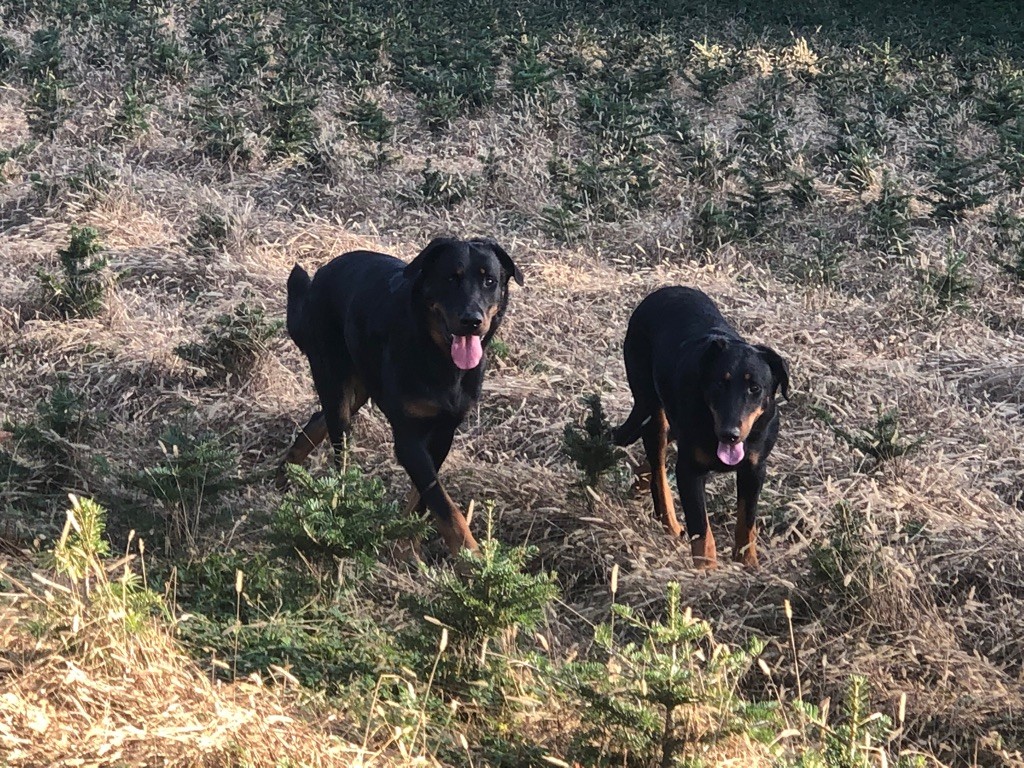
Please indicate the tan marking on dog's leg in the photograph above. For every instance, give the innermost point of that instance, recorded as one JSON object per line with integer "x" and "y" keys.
{"x": 661, "y": 493}
{"x": 745, "y": 549}
{"x": 705, "y": 554}
{"x": 456, "y": 533}
{"x": 309, "y": 437}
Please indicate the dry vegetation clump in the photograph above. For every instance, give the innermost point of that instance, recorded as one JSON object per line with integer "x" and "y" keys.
{"x": 92, "y": 675}
{"x": 844, "y": 178}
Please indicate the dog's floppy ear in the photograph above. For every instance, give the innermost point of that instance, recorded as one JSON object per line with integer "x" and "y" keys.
{"x": 780, "y": 368}
{"x": 506, "y": 261}
{"x": 419, "y": 266}
{"x": 708, "y": 351}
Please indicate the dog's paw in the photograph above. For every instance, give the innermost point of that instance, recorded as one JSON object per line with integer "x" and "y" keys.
{"x": 705, "y": 555}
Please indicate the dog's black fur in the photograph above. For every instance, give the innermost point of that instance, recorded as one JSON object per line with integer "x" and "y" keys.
{"x": 695, "y": 380}
{"x": 375, "y": 327}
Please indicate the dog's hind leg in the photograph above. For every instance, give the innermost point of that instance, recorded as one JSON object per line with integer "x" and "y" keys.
{"x": 309, "y": 437}
{"x": 339, "y": 407}
{"x": 655, "y": 435}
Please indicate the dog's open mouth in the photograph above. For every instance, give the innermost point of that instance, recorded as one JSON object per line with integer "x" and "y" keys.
{"x": 467, "y": 352}
{"x": 730, "y": 453}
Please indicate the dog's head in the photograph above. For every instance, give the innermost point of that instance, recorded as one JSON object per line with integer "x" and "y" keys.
{"x": 739, "y": 382}
{"x": 464, "y": 286}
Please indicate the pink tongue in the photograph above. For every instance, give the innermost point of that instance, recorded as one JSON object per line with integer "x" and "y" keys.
{"x": 730, "y": 454}
{"x": 466, "y": 351}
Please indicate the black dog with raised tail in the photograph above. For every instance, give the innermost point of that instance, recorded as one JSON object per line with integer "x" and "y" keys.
{"x": 410, "y": 336}
{"x": 694, "y": 379}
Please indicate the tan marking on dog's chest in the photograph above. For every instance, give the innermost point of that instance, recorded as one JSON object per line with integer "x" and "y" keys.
{"x": 702, "y": 458}
{"x": 421, "y": 409}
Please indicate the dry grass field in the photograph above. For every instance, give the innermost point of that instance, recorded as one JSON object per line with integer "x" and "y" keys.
{"x": 845, "y": 179}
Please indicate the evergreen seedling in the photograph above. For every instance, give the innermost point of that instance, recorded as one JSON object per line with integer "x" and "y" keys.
{"x": 79, "y": 290}
{"x": 343, "y": 514}
{"x": 590, "y": 446}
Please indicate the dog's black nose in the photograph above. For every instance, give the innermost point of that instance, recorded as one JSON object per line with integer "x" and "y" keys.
{"x": 730, "y": 435}
{"x": 471, "y": 322}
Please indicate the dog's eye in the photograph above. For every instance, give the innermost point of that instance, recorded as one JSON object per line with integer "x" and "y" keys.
{"x": 754, "y": 390}
{"x": 456, "y": 278}
{"x": 490, "y": 282}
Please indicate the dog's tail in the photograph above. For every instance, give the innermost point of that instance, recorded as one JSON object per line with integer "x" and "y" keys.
{"x": 629, "y": 432}
{"x": 298, "y": 288}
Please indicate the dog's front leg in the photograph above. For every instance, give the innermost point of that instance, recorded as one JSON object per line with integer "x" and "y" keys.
{"x": 749, "y": 479}
{"x": 412, "y": 452}
{"x": 691, "y": 497}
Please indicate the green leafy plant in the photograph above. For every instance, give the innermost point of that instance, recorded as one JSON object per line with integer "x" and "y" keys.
{"x": 763, "y": 135}
{"x": 530, "y": 73}
{"x": 233, "y": 343}
{"x": 44, "y": 70}
{"x": 605, "y": 184}
{"x": 801, "y": 190}
{"x": 889, "y": 218}
{"x": 65, "y": 412}
{"x": 956, "y": 188}
{"x": 372, "y": 125}
{"x": 80, "y": 289}
{"x": 344, "y": 514}
{"x": 220, "y": 132}
{"x": 711, "y": 68}
{"x": 882, "y": 441}
{"x": 847, "y": 562}
{"x": 714, "y": 225}
{"x": 260, "y": 612}
{"x": 821, "y": 263}
{"x": 209, "y": 235}
{"x": 1004, "y": 100}
{"x": 856, "y": 160}
{"x": 708, "y": 161}
{"x": 1009, "y": 239}
{"x": 444, "y": 188}
{"x": 370, "y": 122}
{"x": 643, "y": 702}
{"x": 756, "y": 205}
{"x": 132, "y": 117}
{"x": 46, "y": 455}
{"x": 290, "y": 123}
{"x": 950, "y": 285}
{"x": 1010, "y": 157}
{"x": 193, "y": 471}
{"x": 95, "y": 607}
{"x": 563, "y": 221}
{"x": 858, "y": 737}
{"x": 590, "y": 446}
{"x": 489, "y": 595}
{"x": 10, "y": 56}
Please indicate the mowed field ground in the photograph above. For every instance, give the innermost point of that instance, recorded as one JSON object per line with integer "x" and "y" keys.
{"x": 844, "y": 179}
